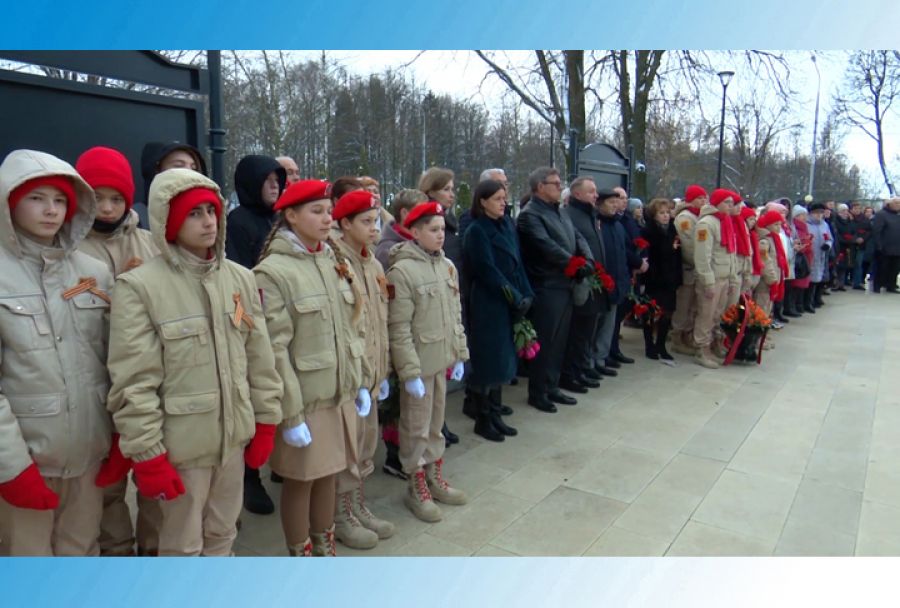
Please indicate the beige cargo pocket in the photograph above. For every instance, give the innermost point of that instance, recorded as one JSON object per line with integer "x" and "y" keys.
{"x": 25, "y": 324}
{"x": 191, "y": 426}
{"x": 185, "y": 342}
{"x": 89, "y": 311}
{"x": 42, "y": 425}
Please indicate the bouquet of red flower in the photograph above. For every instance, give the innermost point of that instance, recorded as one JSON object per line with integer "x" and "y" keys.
{"x": 575, "y": 263}
{"x": 525, "y": 337}
{"x": 600, "y": 281}
{"x": 641, "y": 243}
{"x": 646, "y": 310}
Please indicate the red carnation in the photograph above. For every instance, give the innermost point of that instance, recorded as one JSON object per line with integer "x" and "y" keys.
{"x": 575, "y": 263}
{"x": 608, "y": 282}
{"x": 641, "y": 243}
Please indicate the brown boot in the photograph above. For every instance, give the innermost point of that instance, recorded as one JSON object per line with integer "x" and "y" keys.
{"x": 706, "y": 358}
{"x": 304, "y": 549}
{"x": 323, "y": 543}
{"x": 439, "y": 487}
{"x": 418, "y": 498}
{"x": 679, "y": 344}
{"x": 348, "y": 529}
{"x": 383, "y": 529}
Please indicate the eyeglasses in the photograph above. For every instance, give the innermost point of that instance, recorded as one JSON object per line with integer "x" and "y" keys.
{"x": 557, "y": 184}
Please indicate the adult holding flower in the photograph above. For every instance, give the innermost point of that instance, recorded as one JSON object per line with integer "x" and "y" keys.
{"x": 499, "y": 295}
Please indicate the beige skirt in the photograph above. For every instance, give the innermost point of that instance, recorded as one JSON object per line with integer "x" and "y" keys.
{"x": 333, "y": 433}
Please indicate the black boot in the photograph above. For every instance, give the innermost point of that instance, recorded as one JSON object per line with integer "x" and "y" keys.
{"x": 790, "y": 302}
{"x": 818, "y": 291}
{"x": 649, "y": 346}
{"x": 484, "y": 423}
{"x": 808, "y": 296}
{"x": 470, "y": 406}
{"x": 256, "y": 500}
{"x": 662, "y": 331}
{"x": 497, "y": 420}
{"x": 449, "y": 437}
{"x": 778, "y": 312}
{"x": 496, "y": 397}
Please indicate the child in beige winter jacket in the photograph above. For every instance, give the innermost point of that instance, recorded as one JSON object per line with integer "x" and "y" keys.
{"x": 426, "y": 337}
{"x": 313, "y": 305}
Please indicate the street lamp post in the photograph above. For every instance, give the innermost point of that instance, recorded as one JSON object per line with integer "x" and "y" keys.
{"x": 812, "y": 162}
{"x": 724, "y": 78}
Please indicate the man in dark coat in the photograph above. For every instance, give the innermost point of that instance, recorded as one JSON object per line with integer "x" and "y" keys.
{"x": 630, "y": 231}
{"x": 549, "y": 242}
{"x": 886, "y": 232}
{"x": 579, "y": 373}
{"x": 258, "y": 181}
{"x": 157, "y": 157}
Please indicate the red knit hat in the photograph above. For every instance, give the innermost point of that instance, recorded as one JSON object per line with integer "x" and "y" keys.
{"x": 104, "y": 167}
{"x": 719, "y": 195}
{"x": 60, "y": 182}
{"x": 736, "y": 196}
{"x": 302, "y": 192}
{"x": 693, "y": 191}
{"x": 180, "y": 206}
{"x": 747, "y": 212}
{"x": 423, "y": 210}
{"x": 352, "y": 203}
{"x": 768, "y": 218}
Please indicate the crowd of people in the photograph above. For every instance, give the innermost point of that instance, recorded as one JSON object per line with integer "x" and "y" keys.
{"x": 176, "y": 345}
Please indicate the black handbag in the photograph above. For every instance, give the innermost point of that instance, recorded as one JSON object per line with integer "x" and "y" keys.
{"x": 801, "y": 266}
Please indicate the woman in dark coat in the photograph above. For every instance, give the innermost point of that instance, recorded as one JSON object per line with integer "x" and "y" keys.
{"x": 663, "y": 277}
{"x": 499, "y": 295}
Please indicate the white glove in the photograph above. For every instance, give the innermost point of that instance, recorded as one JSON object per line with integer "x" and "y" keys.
{"x": 459, "y": 369}
{"x": 298, "y": 436}
{"x": 415, "y": 388}
{"x": 384, "y": 390}
{"x": 363, "y": 402}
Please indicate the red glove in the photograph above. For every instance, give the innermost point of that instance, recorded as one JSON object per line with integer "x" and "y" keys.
{"x": 114, "y": 468}
{"x": 28, "y": 491}
{"x": 157, "y": 479}
{"x": 260, "y": 447}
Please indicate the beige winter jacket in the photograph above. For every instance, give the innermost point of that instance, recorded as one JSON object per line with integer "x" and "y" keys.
{"x": 685, "y": 223}
{"x": 373, "y": 323}
{"x": 770, "y": 274}
{"x": 191, "y": 375}
{"x": 309, "y": 314}
{"x": 53, "y": 379}
{"x": 712, "y": 262}
{"x": 125, "y": 248}
{"x": 424, "y": 314}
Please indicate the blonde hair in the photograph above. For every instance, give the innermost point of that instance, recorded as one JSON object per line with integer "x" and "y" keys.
{"x": 406, "y": 199}
{"x": 367, "y": 181}
{"x": 434, "y": 179}
{"x": 655, "y": 206}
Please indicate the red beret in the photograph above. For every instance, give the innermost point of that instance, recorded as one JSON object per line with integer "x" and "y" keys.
{"x": 60, "y": 182}
{"x": 352, "y": 203}
{"x": 104, "y": 167}
{"x": 180, "y": 206}
{"x": 719, "y": 195}
{"x": 693, "y": 191}
{"x": 423, "y": 210}
{"x": 768, "y": 218}
{"x": 304, "y": 191}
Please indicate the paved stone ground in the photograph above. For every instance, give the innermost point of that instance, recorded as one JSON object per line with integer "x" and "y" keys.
{"x": 798, "y": 456}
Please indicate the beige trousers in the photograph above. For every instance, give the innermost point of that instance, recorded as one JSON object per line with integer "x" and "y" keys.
{"x": 762, "y": 298}
{"x": 116, "y": 531}
{"x": 709, "y": 312}
{"x": 685, "y": 308}
{"x": 203, "y": 521}
{"x": 361, "y": 464}
{"x": 72, "y": 529}
{"x": 421, "y": 441}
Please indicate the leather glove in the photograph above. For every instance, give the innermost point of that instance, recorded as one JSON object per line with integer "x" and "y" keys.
{"x": 29, "y": 491}
{"x": 384, "y": 390}
{"x": 363, "y": 402}
{"x": 584, "y": 272}
{"x": 524, "y": 306}
{"x": 415, "y": 388}
{"x": 115, "y": 468}
{"x": 260, "y": 447}
{"x": 298, "y": 436}
{"x": 157, "y": 479}
{"x": 459, "y": 369}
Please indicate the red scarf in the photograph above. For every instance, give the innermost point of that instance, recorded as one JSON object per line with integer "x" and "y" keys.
{"x": 776, "y": 291}
{"x": 728, "y": 238}
{"x": 694, "y": 210}
{"x": 741, "y": 235}
{"x": 757, "y": 261}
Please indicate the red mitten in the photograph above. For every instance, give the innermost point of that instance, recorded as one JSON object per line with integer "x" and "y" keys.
{"x": 260, "y": 447}
{"x": 157, "y": 479}
{"x": 28, "y": 491}
{"x": 114, "y": 468}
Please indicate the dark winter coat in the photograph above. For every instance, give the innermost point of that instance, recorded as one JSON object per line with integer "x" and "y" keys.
{"x": 614, "y": 245}
{"x": 548, "y": 242}
{"x": 152, "y": 154}
{"x": 250, "y": 224}
{"x": 585, "y": 219}
{"x": 497, "y": 285}
{"x": 886, "y": 232}
{"x": 664, "y": 272}
{"x": 389, "y": 238}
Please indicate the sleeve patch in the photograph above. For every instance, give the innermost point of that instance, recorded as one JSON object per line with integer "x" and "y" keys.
{"x": 764, "y": 255}
{"x": 685, "y": 225}
{"x": 701, "y": 235}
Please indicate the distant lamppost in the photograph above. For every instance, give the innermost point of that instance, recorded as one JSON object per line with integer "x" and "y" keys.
{"x": 724, "y": 78}
{"x": 812, "y": 162}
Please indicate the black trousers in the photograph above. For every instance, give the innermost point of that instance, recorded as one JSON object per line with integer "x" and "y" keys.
{"x": 580, "y": 345}
{"x": 551, "y": 315}
{"x": 621, "y": 312}
{"x": 888, "y": 267}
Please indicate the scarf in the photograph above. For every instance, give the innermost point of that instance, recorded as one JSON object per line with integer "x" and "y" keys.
{"x": 694, "y": 210}
{"x": 757, "y": 261}
{"x": 741, "y": 235}
{"x": 728, "y": 238}
{"x": 776, "y": 291}
{"x": 109, "y": 227}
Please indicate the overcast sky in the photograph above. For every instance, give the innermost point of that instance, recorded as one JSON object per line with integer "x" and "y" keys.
{"x": 461, "y": 74}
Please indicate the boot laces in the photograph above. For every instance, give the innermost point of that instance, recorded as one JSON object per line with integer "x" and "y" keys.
{"x": 347, "y": 505}
{"x": 422, "y": 486}
{"x": 329, "y": 540}
{"x": 438, "y": 475}
{"x": 361, "y": 504}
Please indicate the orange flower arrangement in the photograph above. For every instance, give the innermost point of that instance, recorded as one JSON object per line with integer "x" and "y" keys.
{"x": 757, "y": 317}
